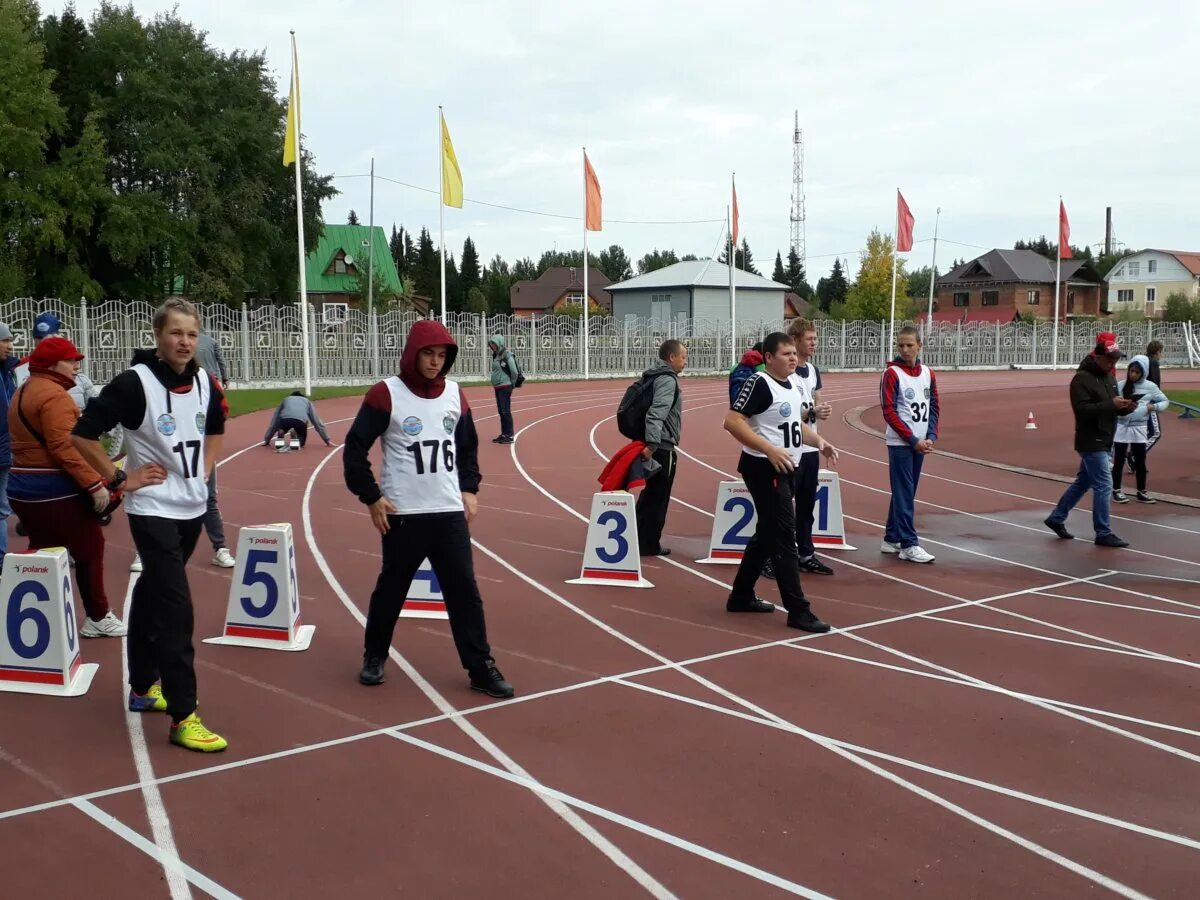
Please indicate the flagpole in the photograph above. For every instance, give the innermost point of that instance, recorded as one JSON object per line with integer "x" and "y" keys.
{"x": 442, "y": 208}
{"x": 732, "y": 266}
{"x": 733, "y": 348}
{"x": 371, "y": 245}
{"x": 585, "y": 268}
{"x": 300, "y": 227}
{"x": 1057, "y": 277}
{"x": 933, "y": 273}
{"x": 895, "y": 255}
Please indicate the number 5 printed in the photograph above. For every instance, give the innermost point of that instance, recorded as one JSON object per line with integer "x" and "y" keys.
{"x": 253, "y": 575}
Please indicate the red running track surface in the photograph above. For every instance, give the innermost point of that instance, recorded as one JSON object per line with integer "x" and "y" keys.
{"x": 1018, "y": 718}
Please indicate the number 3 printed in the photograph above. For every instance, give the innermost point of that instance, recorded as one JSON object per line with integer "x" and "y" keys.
{"x": 617, "y": 535}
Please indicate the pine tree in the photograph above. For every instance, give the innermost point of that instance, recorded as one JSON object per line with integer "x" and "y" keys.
{"x": 796, "y": 276}
{"x": 469, "y": 270}
{"x": 396, "y": 246}
{"x": 353, "y": 218}
{"x": 425, "y": 272}
{"x": 657, "y": 259}
{"x": 779, "y": 276}
{"x": 833, "y": 289}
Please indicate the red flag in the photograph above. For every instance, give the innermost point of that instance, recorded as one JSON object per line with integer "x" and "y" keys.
{"x": 735, "y": 212}
{"x": 904, "y": 225}
{"x": 1064, "y": 233}
{"x": 591, "y": 186}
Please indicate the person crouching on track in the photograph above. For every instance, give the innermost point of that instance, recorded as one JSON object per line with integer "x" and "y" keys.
{"x": 766, "y": 419}
{"x": 428, "y": 496}
{"x": 173, "y": 414}
{"x": 1133, "y": 428}
{"x": 55, "y": 493}
{"x": 908, "y": 397}
{"x": 293, "y": 414}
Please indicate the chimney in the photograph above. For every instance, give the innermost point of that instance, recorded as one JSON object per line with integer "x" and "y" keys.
{"x": 1108, "y": 231}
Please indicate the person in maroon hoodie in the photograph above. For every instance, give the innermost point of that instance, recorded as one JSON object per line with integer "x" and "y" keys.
{"x": 430, "y": 476}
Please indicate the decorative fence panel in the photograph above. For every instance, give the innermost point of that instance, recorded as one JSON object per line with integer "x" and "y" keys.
{"x": 263, "y": 343}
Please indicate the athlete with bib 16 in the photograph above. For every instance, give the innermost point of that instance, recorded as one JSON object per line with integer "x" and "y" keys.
{"x": 908, "y": 396}
{"x": 430, "y": 476}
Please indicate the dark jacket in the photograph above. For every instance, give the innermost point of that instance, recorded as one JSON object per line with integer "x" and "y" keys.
{"x": 375, "y": 415}
{"x": 664, "y": 421}
{"x": 751, "y": 362}
{"x": 8, "y": 386}
{"x": 1155, "y": 373}
{"x": 1092, "y": 394}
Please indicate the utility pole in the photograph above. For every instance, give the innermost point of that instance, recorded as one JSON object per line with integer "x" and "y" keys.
{"x": 797, "y": 215}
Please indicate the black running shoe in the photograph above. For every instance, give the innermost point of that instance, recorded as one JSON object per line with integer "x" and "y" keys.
{"x": 489, "y": 681}
{"x": 815, "y": 566}
{"x": 372, "y": 670}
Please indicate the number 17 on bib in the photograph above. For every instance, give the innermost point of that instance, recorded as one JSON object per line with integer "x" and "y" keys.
{"x": 610, "y": 554}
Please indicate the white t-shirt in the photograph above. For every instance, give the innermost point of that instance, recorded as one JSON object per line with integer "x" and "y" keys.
{"x": 419, "y": 450}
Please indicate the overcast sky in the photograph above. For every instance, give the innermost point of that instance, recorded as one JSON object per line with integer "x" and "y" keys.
{"x": 988, "y": 110}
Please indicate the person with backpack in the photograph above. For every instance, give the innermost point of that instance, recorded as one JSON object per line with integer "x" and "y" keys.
{"x": 662, "y": 425}
{"x": 506, "y": 376}
{"x": 751, "y": 362}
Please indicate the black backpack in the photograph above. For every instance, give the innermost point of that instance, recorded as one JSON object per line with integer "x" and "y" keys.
{"x": 635, "y": 405}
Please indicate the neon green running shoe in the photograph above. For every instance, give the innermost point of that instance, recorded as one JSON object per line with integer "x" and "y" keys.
{"x": 192, "y": 735}
{"x": 151, "y": 701}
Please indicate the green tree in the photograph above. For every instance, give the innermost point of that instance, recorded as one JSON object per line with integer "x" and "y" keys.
{"x": 918, "y": 283}
{"x": 476, "y": 301}
{"x": 456, "y": 301}
{"x": 744, "y": 259}
{"x": 570, "y": 258}
{"x": 870, "y": 295}
{"x": 688, "y": 257}
{"x": 779, "y": 275}
{"x": 525, "y": 269}
{"x": 656, "y": 259}
{"x": 469, "y": 273}
{"x": 425, "y": 269}
{"x": 396, "y": 247}
{"x": 795, "y": 276}
{"x": 1180, "y": 308}
{"x": 832, "y": 290}
{"x": 1044, "y": 247}
{"x": 614, "y": 263}
{"x": 352, "y": 219}
{"x": 497, "y": 282}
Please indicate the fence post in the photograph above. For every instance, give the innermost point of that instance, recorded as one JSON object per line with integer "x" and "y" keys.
{"x": 313, "y": 343}
{"x": 842, "y": 363}
{"x": 533, "y": 345}
{"x": 1071, "y": 353}
{"x": 883, "y": 346}
{"x": 999, "y": 332}
{"x": 85, "y": 341}
{"x": 958, "y": 347}
{"x": 245, "y": 346}
{"x": 625, "y": 344}
{"x": 373, "y": 338}
{"x": 1035, "y": 356}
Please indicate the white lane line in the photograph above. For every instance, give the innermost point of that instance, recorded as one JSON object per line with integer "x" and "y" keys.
{"x": 1146, "y": 609}
{"x": 156, "y": 809}
{"x": 643, "y": 878}
{"x": 171, "y": 863}
{"x": 1152, "y": 575}
{"x": 657, "y": 834}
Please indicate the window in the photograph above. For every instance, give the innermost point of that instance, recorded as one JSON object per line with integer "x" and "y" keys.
{"x": 962, "y": 298}
{"x": 1126, "y": 296}
{"x": 660, "y": 307}
{"x": 575, "y": 297}
{"x": 335, "y": 313}
{"x": 1135, "y": 269}
{"x": 339, "y": 266}
{"x": 1151, "y": 295}
{"x": 1034, "y": 298}
{"x": 991, "y": 298}
{"x": 1120, "y": 273}
{"x": 1151, "y": 266}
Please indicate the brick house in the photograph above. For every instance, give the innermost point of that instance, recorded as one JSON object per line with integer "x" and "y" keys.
{"x": 1001, "y": 283}
{"x": 555, "y": 288}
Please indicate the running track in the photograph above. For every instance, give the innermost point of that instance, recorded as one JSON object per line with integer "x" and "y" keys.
{"x": 1018, "y": 718}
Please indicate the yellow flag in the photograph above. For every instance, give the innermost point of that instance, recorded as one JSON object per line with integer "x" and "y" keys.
{"x": 293, "y": 112}
{"x": 452, "y": 188}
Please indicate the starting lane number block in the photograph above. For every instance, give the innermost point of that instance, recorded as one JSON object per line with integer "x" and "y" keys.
{"x": 424, "y": 600}
{"x": 734, "y": 520}
{"x": 264, "y": 602}
{"x": 733, "y": 524}
{"x": 829, "y": 529}
{"x": 39, "y": 641}
{"x": 611, "y": 555}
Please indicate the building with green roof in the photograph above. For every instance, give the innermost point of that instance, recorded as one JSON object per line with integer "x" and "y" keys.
{"x": 336, "y": 269}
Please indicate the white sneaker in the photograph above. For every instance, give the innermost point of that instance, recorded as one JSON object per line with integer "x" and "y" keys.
{"x": 136, "y": 565}
{"x": 889, "y": 547}
{"x": 916, "y": 554}
{"x": 224, "y": 559}
{"x": 108, "y": 626}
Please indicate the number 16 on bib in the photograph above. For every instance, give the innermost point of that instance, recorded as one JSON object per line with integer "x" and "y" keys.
{"x": 264, "y": 602}
{"x": 610, "y": 555}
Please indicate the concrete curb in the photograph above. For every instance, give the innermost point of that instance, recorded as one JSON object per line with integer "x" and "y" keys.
{"x": 853, "y": 418}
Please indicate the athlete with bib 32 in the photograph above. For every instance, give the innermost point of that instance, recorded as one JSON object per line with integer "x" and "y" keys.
{"x": 430, "y": 478}
{"x": 908, "y": 397}
{"x": 173, "y": 414}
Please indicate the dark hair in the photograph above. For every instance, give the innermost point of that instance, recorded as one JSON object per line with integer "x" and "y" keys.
{"x": 297, "y": 393}
{"x": 776, "y": 339}
{"x": 1127, "y": 391}
{"x": 1154, "y": 348}
{"x": 669, "y": 348}
{"x": 757, "y": 348}
{"x": 910, "y": 330}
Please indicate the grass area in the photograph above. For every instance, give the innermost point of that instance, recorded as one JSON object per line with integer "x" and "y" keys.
{"x": 252, "y": 399}
{"x": 1191, "y": 397}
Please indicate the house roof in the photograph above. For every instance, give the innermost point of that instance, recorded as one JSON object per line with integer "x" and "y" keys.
{"x": 1024, "y": 266}
{"x": 795, "y": 306}
{"x": 349, "y": 239}
{"x": 983, "y": 314}
{"x": 697, "y": 273}
{"x": 544, "y": 291}
{"x": 1189, "y": 259}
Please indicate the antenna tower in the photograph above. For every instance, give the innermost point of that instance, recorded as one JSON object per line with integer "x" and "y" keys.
{"x": 797, "y": 216}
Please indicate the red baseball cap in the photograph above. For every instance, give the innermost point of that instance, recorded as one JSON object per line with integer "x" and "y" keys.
{"x": 1106, "y": 345}
{"x": 53, "y": 350}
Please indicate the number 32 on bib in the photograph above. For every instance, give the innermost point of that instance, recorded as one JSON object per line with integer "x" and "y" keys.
{"x": 610, "y": 554}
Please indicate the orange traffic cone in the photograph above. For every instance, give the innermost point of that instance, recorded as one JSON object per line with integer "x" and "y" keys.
{"x": 1030, "y": 425}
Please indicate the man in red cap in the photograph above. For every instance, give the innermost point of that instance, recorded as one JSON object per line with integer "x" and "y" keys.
{"x": 1096, "y": 404}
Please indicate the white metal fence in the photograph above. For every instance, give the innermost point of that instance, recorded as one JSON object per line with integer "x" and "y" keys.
{"x": 262, "y": 343}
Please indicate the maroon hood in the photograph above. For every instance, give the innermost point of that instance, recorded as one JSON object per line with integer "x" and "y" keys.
{"x": 752, "y": 358}
{"x": 426, "y": 333}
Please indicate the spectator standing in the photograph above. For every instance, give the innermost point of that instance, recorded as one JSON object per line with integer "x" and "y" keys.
{"x": 1133, "y": 428}
{"x": 506, "y": 377}
{"x": 664, "y": 427}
